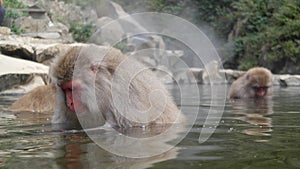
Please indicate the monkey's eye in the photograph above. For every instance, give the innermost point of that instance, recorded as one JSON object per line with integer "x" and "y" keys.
{"x": 260, "y": 87}
{"x": 94, "y": 67}
{"x": 265, "y": 87}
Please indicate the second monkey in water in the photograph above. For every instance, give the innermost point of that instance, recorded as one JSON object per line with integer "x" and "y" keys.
{"x": 255, "y": 83}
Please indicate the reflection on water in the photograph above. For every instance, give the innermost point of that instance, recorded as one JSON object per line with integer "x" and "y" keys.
{"x": 254, "y": 112}
{"x": 251, "y": 134}
{"x": 80, "y": 152}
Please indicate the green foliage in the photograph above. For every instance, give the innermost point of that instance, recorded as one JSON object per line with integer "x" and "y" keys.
{"x": 81, "y": 32}
{"x": 261, "y": 32}
{"x": 172, "y": 6}
{"x": 14, "y": 15}
{"x": 122, "y": 46}
{"x": 16, "y": 29}
{"x": 10, "y": 13}
{"x": 209, "y": 12}
{"x": 13, "y": 4}
{"x": 269, "y": 33}
{"x": 167, "y": 6}
{"x": 264, "y": 32}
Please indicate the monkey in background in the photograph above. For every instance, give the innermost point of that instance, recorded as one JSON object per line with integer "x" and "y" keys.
{"x": 108, "y": 87}
{"x": 40, "y": 99}
{"x": 255, "y": 83}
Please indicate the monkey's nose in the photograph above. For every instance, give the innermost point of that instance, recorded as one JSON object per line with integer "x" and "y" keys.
{"x": 71, "y": 106}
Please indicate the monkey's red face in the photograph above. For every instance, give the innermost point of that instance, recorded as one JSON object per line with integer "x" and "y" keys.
{"x": 260, "y": 91}
{"x": 72, "y": 90}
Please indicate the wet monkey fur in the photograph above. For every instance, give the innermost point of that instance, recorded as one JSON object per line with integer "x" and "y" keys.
{"x": 100, "y": 84}
{"x": 40, "y": 99}
{"x": 255, "y": 83}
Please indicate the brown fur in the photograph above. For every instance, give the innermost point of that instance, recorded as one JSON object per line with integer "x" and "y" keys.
{"x": 113, "y": 70}
{"x": 242, "y": 87}
{"x": 40, "y": 99}
{"x": 65, "y": 70}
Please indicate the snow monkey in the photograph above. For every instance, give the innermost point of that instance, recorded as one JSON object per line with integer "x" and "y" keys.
{"x": 98, "y": 85}
{"x": 255, "y": 83}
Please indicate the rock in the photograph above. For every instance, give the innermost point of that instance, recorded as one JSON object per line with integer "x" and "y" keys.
{"x": 12, "y": 48}
{"x": 9, "y": 81}
{"x": 62, "y": 30}
{"x": 10, "y": 65}
{"x": 39, "y": 25}
{"x": 43, "y": 29}
{"x": 122, "y": 26}
{"x": 43, "y": 35}
{"x": 31, "y": 25}
{"x": 212, "y": 73}
{"x": 108, "y": 32}
{"x": 231, "y": 75}
{"x": 286, "y": 80}
{"x": 198, "y": 75}
{"x": 25, "y": 48}
{"x": 190, "y": 75}
{"x": 115, "y": 11}
{"x": 25, "y": 87}
{"x": 153, "y": 44}
{"x": 33, "y": 49}
{"x": 15, "y": 72}
{"x": 201, "y": 75}
{"x": 105, "y": 8}
{"x": 58, "y": 27}
{"x": 128, "y": 24}
{"x": 68, "y": 13}
{"x": 4, "y": 30}
{"x": 292, "y": 66}
{"x": 144, "y": 56}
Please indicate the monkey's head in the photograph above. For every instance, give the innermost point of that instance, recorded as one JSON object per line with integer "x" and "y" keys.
{"x": 82, "y": 72}
{"x": 260, "y": 81}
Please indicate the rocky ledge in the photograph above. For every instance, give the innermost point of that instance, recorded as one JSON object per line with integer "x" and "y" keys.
{"x": 20, "y": 76}
{"x": 25, "y": 58}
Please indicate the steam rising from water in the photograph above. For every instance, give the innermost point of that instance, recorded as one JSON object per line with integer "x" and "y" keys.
{"x": 176, "y": 28}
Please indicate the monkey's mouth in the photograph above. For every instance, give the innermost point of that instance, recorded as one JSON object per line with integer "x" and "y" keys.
{"x": 260, "y": 91}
